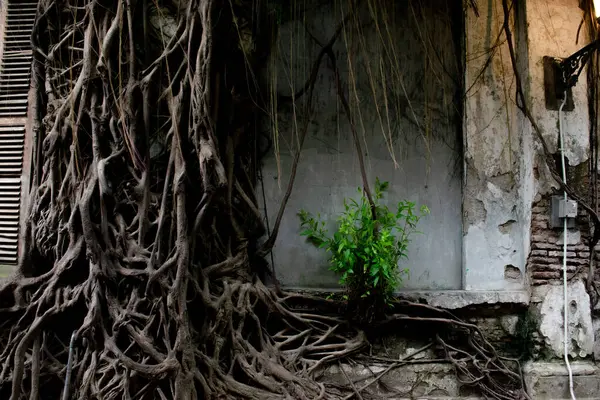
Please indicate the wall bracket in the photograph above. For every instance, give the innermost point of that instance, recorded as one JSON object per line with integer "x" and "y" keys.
{"x": 561, "y": 74}
{"x": 554, "y": 85}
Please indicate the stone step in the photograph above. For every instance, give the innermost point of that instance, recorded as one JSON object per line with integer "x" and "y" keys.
{"x": 550, "y": 380}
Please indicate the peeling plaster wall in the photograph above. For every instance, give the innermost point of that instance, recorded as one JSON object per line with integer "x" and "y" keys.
{"x": 504, "y": 172}
{"x": 493, "y": 248}
{"x": 552, "y": 31}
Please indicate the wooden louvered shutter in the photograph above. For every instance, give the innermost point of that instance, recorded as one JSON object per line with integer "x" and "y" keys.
{"x": 14, "y": 89}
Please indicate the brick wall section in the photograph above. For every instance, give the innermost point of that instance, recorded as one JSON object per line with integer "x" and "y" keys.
{"x": 546, "y": 256}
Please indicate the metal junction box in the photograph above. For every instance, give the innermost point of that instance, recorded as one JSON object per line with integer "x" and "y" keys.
{"x": 561, "y": 209}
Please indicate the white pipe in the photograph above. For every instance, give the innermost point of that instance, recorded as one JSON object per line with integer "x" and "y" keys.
{"x": 565, "y": 293}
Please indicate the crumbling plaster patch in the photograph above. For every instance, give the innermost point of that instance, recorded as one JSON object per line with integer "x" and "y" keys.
{"x": 580, "y": 330}
{"x": 494, "y": 240}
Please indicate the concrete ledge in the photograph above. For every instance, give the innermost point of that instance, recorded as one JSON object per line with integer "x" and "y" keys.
{"x": 447, "y": 299}
{"x": 550, "y": 380}
{"x": 455, "y": 299}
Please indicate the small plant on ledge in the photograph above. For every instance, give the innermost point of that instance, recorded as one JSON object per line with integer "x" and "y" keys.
{"x": 365, "y": 251}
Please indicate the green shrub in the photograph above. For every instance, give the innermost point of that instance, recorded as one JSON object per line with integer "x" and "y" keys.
{"x": 365, "y": 252}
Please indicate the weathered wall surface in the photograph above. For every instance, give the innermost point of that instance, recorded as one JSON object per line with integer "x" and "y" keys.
{"x": 402, "y": 94}
{"x": 552, "y": 31}
{"x": 494, "y": 256}
{"x": 425, "y": 379}
{"x": 507, "y": 184}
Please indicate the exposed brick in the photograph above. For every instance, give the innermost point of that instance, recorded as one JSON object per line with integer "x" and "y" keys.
{"x": 553, "y": 267}
{"x": 544, "y": 246}
{"x": 540, "y": 267}
{"x": 539, "y": 225}
{"x": 570, "y": 254}
{"x": 543, "y": 260}
{"x": 576, "y": 261}
{"x": 538, "y": 253}
{"x": 542, "y": 238}
{"x": 547, "y": 275}
{"x": 540, "y": 282}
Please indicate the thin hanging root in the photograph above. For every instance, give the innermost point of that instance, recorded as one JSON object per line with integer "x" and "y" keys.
{"x": 141, "y": 255}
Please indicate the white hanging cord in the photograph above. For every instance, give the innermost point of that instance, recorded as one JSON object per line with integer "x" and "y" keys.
{"x": 565, "y": 292}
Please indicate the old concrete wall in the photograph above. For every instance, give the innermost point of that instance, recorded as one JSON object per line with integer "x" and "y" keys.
{"x": 552, "y": 31}
{"x": 493, "y": 208}
{"x": 401, "y": 76}
{"x": 504, "y": 174}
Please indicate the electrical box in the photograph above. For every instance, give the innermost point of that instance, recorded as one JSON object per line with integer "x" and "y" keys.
{"x": 554, "y": 87}
{"x": 561, "y": 210}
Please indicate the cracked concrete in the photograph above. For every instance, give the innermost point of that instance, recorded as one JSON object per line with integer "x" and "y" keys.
{"x": 579, "y": 330}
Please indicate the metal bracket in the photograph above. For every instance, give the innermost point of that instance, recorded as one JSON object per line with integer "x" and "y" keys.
{"x": 562, "y": 74}
{"x": 574, "y": 64}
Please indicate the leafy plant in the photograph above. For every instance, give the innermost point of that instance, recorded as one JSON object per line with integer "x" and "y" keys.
{"x": 365, "y": 251}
